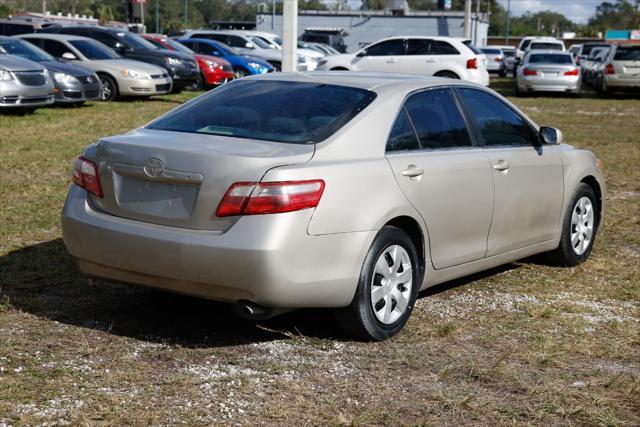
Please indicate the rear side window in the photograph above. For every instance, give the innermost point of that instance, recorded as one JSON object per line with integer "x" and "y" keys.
{"x": 280, "y": 111}
{"x": 387, "y": 48}
{"x": 419, "y": 47}
{"x": 444, "y": 48}
{"x": 15, "y": 29}
{"x": 402, "y": 137}
{"x": 105, "y": 38}
{"x": 437, "y": 120}
{"x": 235, "y": 41}
{"x": 498, "y": 124}
{"x": 627, "y": 53}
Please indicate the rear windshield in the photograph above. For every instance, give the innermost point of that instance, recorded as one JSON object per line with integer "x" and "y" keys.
{"x": 587, "y": 48}
{"x": 293, "y": 112}
{"x": 550, "y": 58}
{"x": 546, "y": 46}
{"x": 491, "y": 51}
{"x": 509, "y": 53}
{"x": 627, "y": 53}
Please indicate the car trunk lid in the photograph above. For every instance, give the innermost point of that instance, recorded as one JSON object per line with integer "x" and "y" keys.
{"x": 178, "y": 179}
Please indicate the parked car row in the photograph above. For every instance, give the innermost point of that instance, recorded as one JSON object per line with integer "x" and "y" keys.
{"x": 612, "y": 67}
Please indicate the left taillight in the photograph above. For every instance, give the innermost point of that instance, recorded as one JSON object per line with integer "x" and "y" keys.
{"x": 85, "y": 175}
{"x": 472, "y": 64}
{"x": 252, "y": 198}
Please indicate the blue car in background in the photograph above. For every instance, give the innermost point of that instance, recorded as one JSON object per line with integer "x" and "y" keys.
{"x": 243, "y": 65}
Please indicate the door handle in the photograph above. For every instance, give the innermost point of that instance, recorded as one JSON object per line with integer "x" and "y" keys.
{"x": 391, "y": 61}
{"x": 430, "y": 60}
{"x": 501, "y": 166}
{"x": 412, "y": 171}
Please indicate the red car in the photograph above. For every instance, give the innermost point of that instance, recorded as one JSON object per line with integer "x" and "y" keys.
{"x": 213, "y": 71}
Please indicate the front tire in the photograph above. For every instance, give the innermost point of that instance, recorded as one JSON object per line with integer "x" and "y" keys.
{"x": 387, "y": 288}
{"x": 109, "y": 88}
{"x": 579, "y": 228}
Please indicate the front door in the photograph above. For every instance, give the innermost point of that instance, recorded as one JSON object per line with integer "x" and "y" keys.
{"x": 527, "y": 176}
{"x": 444, "y": 176}
{"x": 386, "y": 56}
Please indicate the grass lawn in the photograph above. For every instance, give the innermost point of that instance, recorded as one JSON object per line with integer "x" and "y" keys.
{"x": 522, "y": 344}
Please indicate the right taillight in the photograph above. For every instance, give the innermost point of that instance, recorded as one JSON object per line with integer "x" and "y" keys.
{"x": 573, "y": 72}
{"x": 472, "y": 64}
{"x": 609, "y": 69}
{"x": 251, "y": 198}
{"x": 85, "y": 175}
{"x": 529, "y": 72}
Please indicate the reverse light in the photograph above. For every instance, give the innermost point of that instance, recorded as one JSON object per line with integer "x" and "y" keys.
{"x": 85, "y": 175}
{"x": 252, "y": 198}
{"x": 498, "y": 58}
{"x": 609, "y": 69}
{"x": 529, "y": 72}
{"x": 573, "y": 72}
{"x": 472, "y": 64}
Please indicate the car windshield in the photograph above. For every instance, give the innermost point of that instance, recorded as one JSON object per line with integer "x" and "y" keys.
{"x": 179, "y": 46}
{"x": 586, "y": 49}
{"x": 546, "y": 46}
{"x": 260, "y": 43}
{"x": 627, "y": 53}
{"x": 24, "y": 49}
{"x": 135, "y": 41}
{"x": 281, "y": 111}
{"x": 550, "y": 58}
{"x": 93, "y": 50}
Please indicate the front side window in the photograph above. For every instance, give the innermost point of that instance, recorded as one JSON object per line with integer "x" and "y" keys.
{"x": 402, "y": 137}
{"x": 55, "y": 48}
{"x": 105, "y": 38}
{"x": 387, "y": 48}
{"x": 499, "y": 125}
{"x": 437, "y": 120}
{"x": 235, "y": 41}
{"x": 280, "y": 111}
{"x": 93, "y": 50}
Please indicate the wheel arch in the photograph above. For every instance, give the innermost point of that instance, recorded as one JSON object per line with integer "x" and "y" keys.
{"x": 592, "y": 182}
{"x": 339, "y": 68}
{"x": 412, "y": 227}
{"x": 111, "y": 76}
{"x": 441, "y": 72}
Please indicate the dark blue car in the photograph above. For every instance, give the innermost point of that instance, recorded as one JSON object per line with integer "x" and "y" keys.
{"x": 243, "y": 65}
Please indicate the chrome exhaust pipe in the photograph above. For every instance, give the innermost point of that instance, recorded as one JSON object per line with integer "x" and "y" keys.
{"x": 252, "y": 311}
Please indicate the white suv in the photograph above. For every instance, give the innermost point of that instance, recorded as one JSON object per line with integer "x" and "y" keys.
{"x": 426, "y": 56}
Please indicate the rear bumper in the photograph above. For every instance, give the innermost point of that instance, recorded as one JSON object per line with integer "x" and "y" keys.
{"x": 628, "y": 82}
{"x": 478, "y": 76}
{"x": 544, "y": 84}
{"x": 267, "y": 259}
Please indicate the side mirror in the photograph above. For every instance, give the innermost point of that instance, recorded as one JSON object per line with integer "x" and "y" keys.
{"x": 69, "y": 56}
{"x": 119, "y": 47}
{"x": 249, "y": 45}
{"x": 362, "y": 53}
{"x": 550, "y": 136}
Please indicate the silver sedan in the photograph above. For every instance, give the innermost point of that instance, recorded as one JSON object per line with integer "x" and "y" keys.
{"x": 351, "y": 191}
{"x": 548, "y": 71}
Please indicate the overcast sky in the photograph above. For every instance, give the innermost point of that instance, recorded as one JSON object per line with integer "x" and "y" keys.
{"x": 576, "y": 10}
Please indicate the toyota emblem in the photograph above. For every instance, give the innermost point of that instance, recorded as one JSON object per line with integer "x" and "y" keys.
{"x": 153, "y": 167}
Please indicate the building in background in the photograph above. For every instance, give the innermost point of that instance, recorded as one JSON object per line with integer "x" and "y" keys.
{"x": 363, "y": 27}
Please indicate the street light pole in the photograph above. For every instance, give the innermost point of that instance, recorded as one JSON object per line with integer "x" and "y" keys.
{"x": 289, "y": 34}
{"x": 157, "y": 16}
{"x": 507, "y": 18}
{"x": 186, "y": 14}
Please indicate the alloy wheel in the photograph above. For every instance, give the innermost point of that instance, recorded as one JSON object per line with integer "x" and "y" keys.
{"x": 106, "y": 89}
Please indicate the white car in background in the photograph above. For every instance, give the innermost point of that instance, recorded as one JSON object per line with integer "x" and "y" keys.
{"x": 425, "y": 56}
{"x": 311, "y": 57}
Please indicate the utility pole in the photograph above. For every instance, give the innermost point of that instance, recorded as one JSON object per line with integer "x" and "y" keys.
{"x": 289, "y": 35}
{"x": 157, "y": 16}
{"x": 507, "y": 18}
{"x": 186, "y": 15}
{"x": 475, "y": 29}
{"x": 44, "y": 8}
{"x": 467, "y": 19}
{"x": 142, "y": 15}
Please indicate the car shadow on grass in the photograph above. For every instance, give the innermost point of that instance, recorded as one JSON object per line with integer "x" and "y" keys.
{"x": 42, "y": 279}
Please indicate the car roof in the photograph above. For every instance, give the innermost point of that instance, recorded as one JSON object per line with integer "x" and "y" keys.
{"x": 547, "y": 51}
{"x": 55, "y": 36}
{"x": 365, "y": 80}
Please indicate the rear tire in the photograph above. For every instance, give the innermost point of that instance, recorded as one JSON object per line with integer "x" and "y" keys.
{"x": 579, "y": 228}
{"x": 447, "y": 75}
{"x": 196, "y": 85}
{"x": 387, "y": 288}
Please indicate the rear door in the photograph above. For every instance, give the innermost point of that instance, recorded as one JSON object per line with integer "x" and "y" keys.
{"x": 386, "y": 56}
{"x": 527, "y": 177}
{"x": 421, "y": 57}
{"x": 443, "y": 175}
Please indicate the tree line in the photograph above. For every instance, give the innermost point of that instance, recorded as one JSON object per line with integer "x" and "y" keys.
{"x": 615, "y": 14}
